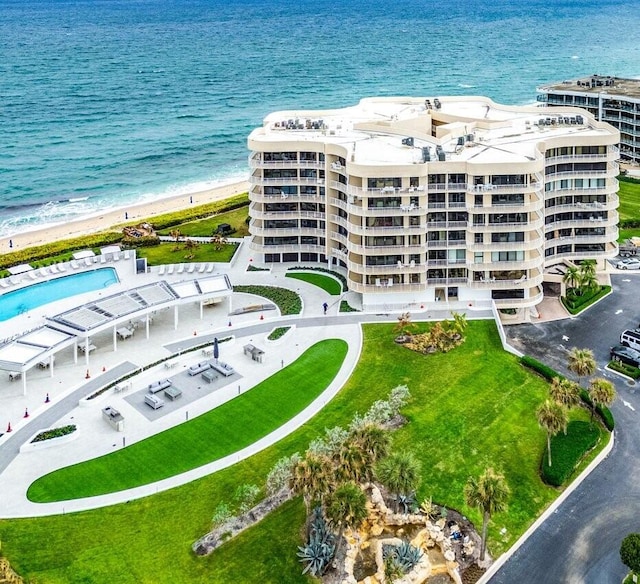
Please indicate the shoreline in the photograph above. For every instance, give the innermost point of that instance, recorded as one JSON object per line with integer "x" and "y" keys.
{"x": 126, "y": 214}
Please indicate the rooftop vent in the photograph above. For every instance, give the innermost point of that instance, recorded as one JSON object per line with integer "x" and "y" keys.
{"x": 437, "y": 103}
{"x": 426, "y": 155}
{"x": 407, "y": 141}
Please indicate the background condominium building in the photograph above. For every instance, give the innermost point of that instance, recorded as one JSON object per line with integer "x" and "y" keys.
{"x": 609, "y": 99}
{"x": 450, "y": 199}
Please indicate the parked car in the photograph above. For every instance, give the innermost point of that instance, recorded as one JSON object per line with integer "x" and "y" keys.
{"x": 625, "y": 355}
{"x": 631, "y": 338}
{"x": 629, "y": 264}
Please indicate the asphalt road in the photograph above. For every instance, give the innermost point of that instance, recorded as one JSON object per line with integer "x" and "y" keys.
{"x": 580, "y": 542}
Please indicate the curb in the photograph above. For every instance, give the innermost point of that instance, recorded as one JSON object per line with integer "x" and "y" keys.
{"x": 502, "y": 560}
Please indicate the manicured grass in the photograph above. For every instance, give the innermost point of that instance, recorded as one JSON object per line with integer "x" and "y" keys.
{"x": 287, "y": 301}
{"x": 170, "y": 253}
{"x": 629, "y": 194}
{"x": 205, "y": 227}
{"x": 328, "y": 284}
{"x": 211, "y": 436}
{"x": 471, "y": 408}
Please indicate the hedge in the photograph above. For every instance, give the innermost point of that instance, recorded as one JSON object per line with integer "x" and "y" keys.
{"x": 567, "y": 451}
{"x": 628, "y": 370}
{"x": 54, "y": 433}
{"x": 575, "y": 304}
{"x": 548, "y": 373}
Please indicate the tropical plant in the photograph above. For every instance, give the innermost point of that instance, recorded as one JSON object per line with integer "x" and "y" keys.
{"x": 280, "y": 475}
{"x": 459, "y": 322}
{"x": 428, "y": 508}
{"x": 329, "y": 444}
{"x": 373, "y": 440}
{"x": 581, "y": 362}
{"x": 404, "y": 325}
{"x": 346, "y": 507}
{"x": 175, "y": 233}
{"x": 564, "y": 391}
{"x": 630, "y": 552}
{"x": 552, "y": 417}
{"x": 399, "y": 473}
{"x": 601, "y": 392}
{"x": 221, "y": 514}
{"x": 352, "y": 464}
{"x": 312, "y": 477}
{"x": 190, "y": 245}
{"x": 404, "y": 557}
{"x": 406, "y": 503}
{"x": 571, "y": 276}
{"x": 219, "y": 241}
{"x": 319, "y": 550}
{"x": 489, "y": 494}
{"x": 246, "y": 495}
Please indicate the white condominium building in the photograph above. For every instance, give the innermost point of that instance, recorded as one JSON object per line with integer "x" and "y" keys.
{"x": 451, "y": 199}
{"x": 609, "y": 99}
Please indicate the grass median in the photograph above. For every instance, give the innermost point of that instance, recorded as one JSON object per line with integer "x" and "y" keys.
{"x": 211, "y": 436}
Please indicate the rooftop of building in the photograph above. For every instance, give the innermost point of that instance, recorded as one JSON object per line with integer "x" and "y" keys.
{"x": 596, "y": 84}
{"x": 400, "y": 130}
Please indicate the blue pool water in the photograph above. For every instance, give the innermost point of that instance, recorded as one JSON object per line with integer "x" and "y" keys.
{"x": 25, "y": 299}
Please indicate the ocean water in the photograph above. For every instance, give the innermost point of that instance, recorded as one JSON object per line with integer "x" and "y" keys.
{"x": 108, "y": 102}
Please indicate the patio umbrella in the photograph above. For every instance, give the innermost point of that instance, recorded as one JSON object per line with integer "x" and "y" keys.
{"x": 216, "y": 350}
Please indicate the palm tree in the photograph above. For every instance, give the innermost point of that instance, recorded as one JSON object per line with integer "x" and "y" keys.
{"x": 488, "y": 494}
{"x": 552, "y": 417}
{"x": 564, "y": 391}
{"x": 588, "y": 267}
{"x": 219, "y": 241}
{"x": 352, "y": 464}
{"x": 190, "y": 245}
{"x": 404, "y": 324}
{"x": 581, "y": 363}
{"x": 373, "y": 440}
{"x": 601, "y": 392}
{"x": 571, "y": 276}
{"x": 459, "y": 322}
{"x": 399, "y": 473}
{"x": 312, "y": 477}
{"x": 346, "y": 507}
{"x": 175, "y": 233}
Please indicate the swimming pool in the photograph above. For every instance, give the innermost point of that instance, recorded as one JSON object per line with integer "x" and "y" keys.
{"x": 20, "y": 301}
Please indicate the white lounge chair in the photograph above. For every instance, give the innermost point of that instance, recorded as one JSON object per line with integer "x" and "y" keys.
{"x": 53, "y": 268}
{"x": 33, "y": 275}
{"x": 4, "y": 283}
{"x": 87, "y": 262}
{"x": 161, "y": 270}
{"x": 43, "y": 271}
{"x": 210, "y": 268}
{"x": 180, "y": 269}
{"x": 127, "y": 254}
{"x": 202, "y": 268}
{"x": 103, "y": 260}
{"x": 191, "y": 268}
{"x": 116, "y": 257}
{"x": 74, "y": 264}
{"x": 170, "y": 269}
{"x": 63, "y": 267}
{"x": 15, "y": 279}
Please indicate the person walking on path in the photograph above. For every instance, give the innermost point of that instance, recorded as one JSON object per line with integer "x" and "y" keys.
{"x": 325, "y": 306}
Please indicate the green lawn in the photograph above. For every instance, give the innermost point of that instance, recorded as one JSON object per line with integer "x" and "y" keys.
{"x": 205, "y": 227}
{"x": 629, "y": 200}
{"x": 211, "y": 436}
{"x": 170, "y": 253}
{"x": 328, "y": 284}
{"x": 471, "y": 408}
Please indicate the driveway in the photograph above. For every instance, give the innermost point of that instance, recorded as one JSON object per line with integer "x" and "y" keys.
{"x": 580, "y": 543}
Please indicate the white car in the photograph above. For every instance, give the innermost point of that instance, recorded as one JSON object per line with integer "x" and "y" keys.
{"x": 629, "y": 264}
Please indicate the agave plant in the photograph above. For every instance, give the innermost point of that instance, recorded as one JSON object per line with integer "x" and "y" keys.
{"x": 406, "y": 503}
{"x": 319, "y": 551}
{"x": 404, "y": 556}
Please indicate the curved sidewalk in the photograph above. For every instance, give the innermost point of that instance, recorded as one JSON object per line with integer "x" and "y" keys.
{"x": 15, "y": 503}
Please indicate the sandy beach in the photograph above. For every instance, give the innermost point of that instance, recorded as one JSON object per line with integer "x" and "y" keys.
{"x": 130, "y": 214}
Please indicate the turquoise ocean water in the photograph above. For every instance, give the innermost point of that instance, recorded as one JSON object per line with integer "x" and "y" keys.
{"x": 108, "y": 102}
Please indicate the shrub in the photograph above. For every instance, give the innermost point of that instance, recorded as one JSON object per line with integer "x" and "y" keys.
{"x": 246, "y": 496}
{"x": 567, "y": 450}
{"x": 276, "y": 333}
{"x": 280, "y": 474}
{"x": 547, "y": 372}
{"x": 574, "y": 303}
{"x": 221, "y": 515}
{"x": 346, "y": 307}
{"x": 287, "y": 301}
{"x": 628, "y": 370}
{"x": 54, "y": 433}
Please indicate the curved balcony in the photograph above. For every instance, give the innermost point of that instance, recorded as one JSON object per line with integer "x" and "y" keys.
{"x": 285, "y": 181}
{"x": 610, "y": 235}
{"x": 284, "y": 231}
{"x": 295, "y": 214}
{"x": 520, "y": 302}
{"x": 255, "y": 163}
{"x": 505, "y": 227}
{"x": 611, "y": 171}
{"x": 531, "y": 187}
{"x": 359, "y": 268}
{"x": 537, "y": 262}
{"x": 261, "y": 248}
{"x": 445, "y": 243}
{"x": 494, "y": 284}
{"x": 535, "y": 243}
{"x": 611, "y": 155}
{"x": 297, "y": 198}
{"x": 385, "y": 289}
{"x": 611, "y": 221}
{"x": 385, "y": 249}
{"x": 611, "y": 204}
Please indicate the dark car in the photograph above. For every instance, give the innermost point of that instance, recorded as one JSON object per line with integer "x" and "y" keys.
{"x": 625, "y": 355}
